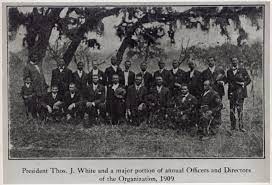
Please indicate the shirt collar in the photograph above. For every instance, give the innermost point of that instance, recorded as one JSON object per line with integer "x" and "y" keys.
{"x": 212, "y": 69}
{"x": 27, "y": 85}
{"x": 114, "y": 67}
{"x": 175, "y": 70}
{"x": 33, "y": 63}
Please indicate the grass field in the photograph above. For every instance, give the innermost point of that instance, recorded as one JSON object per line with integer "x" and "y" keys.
{"x": 31, "y": 139}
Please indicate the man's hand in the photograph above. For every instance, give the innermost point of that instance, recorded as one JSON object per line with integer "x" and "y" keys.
{"x": 73, "y": 105}
{"x": 49, "y": 109}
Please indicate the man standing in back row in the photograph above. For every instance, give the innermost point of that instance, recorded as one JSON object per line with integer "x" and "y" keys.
{"x": 238, "y": 80}
{"x": 146, "y": 76}
{"x": 216, "y": 76}
{"x": 113, "y": 69}
{"x": 165, "y": 74}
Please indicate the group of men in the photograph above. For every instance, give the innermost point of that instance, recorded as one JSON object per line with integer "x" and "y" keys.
{"x": 185, "y": 99}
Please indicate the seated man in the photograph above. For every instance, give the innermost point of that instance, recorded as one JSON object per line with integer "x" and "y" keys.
{"x": 135, "y": 104}
{"x": 184, "y": 109}
{"x": 210, "y": 111}
{"x": 73, "y": 103}
{"x": 94, "y": 100}
{"x": 52, "y": 104}
{"x": 28, "y": 94}
{"x": 116, "y": 100}
{"x": 158, "y": 101}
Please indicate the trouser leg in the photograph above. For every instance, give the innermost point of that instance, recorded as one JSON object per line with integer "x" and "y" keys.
{"x": 232, "y": 114}
{"x": 240, "y": 106}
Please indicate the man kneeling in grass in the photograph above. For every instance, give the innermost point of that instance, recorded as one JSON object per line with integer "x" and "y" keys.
{"x": 52, "y": 104}
{"x": 73, "y": 103}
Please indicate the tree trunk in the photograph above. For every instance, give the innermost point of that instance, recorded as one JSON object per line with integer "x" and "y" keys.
{"x": 122, "y": 48}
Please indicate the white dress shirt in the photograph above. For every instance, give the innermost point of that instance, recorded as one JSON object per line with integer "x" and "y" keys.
{"x": 184, "y": 97}
{"x": 79, "y": 73}
{"x": 115, "y": 86}
{"x": 206, "y": 92}
{"x": 175, "y": 70}
{"x": 234, "y": 71}
{"x": 54, "y": 95}
{"x": 94, "y": 86}
{"x": 61, "y": 69}
{"x": 72, "y": 95}
{"x": 114, "y": 68}
{"x": 159, "y": 88}
{"x": 192, "y": 73}
{"x": 212, "y": 69}
{"x": 126, "y": 77}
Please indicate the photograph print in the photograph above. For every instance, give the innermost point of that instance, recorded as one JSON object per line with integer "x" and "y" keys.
{"x": 145, "y": 81}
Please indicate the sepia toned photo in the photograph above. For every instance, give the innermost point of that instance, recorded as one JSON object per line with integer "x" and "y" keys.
{"x": 136, "y": 81}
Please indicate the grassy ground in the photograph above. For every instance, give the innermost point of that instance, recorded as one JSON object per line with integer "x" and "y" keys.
{"x": 31, "y": 139}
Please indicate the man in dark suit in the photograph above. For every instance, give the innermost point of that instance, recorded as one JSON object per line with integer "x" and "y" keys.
{"x": 29, "y": 96}
{"x": 52, "y": 104}
{"x": 165, "y": 74}
{"x": 178, "y": 78}
{"x": 73, "y": 103}
{"x": 216, "y": 76}
{"x": 113, "y": 69}
{"x": 210, "y": 111}
{"x": 34, "y": 71}
{"x": 61, "y": 76}
{"x": 127, "y": 77}
{"x": 96, "y": 71}
{"x": 146, "y": 76}
{"x": 158, "y": 100}
{"x": 135, "y": 104}
{"x": 94, "y": 100}
{"x": 80, "y": 78}
{"x": 115, "y": 103}
{"x": 184, "y": 109}
{"x": 193, "y": 79}
{"x": 238, "y": 80}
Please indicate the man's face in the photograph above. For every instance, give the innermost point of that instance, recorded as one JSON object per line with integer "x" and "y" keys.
{"x": 80, "y": 66}
{"x": 191, "y": 66}
{"x": 61, "y": 64}
{"x": 184, "y": 90}
{"x": 95, "y": 79}
{"x": 138, "y": 80}
{"x": 161, "y": 65}
{"x": 113, "y": 61}
{"x": 55, "y": 90}
{"x": 206, "y": 85}
{"x": 211, "y": 62}
{"x": 127, "y": 65}
{"x": 115, "y": 79}
{"x": 95, "y": 64}
{"x": 175, "y": 64}
{"x": 34, "y": 58}
{"x": 234, "y": 62}
{"x": 72, "y": 88}
{"x": 143, "y": 66}
{"x": 159, "y": 81}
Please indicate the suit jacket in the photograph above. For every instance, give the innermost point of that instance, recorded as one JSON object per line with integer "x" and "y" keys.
{"x": 166, "y": 76}
{"x": 194, "y": 83}
{"x": 62, "y": 79}
{"x": 131, "y": 78}
{"x": 49, "y": 100}
{"x": 27, "y": 91}
{"x": 162, "y": 98}
{"x": 97, "y": 96}
{"x": 109, "y": 72}
{"x": 81, "y": 83}
{"x": 68, "y": 100}
{"x": 189, "y": 104}
{"x": 211, "y": 101}
{"x": 134, "y": 97}
{"x": 147, "y": 79}
{"x": 38, "y": 80}
{"x": 101, "y": 77}
{"x": 178, "y": 77}
{"x": 234, "y": 88}
{"x": 217, "y": 75}
{"x": 112, "y": 102}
